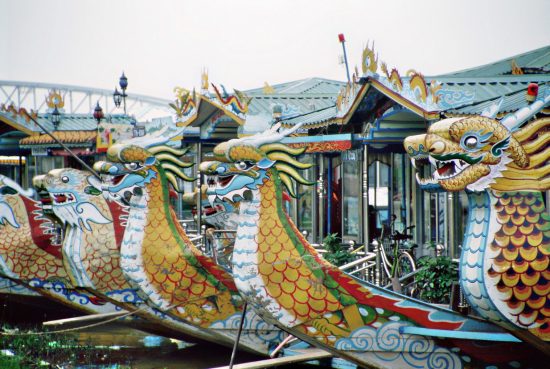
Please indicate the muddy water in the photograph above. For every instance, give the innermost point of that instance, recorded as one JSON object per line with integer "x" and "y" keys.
{"x": 119, "y": 347}
{"x": 138, "y": 350}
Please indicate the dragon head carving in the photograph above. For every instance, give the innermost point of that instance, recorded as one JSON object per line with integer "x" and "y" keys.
{"x": 478, "y": 153}
{"x": 244, "y": 164}
{"x": 130, "y": 169}
{"x": 71, "y": 192}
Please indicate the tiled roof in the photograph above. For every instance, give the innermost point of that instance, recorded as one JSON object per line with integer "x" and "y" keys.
{"x": 485, "y": 91}
{"x": 310, "y": 100}
{"x": 12, "y": 160}
{"x": 66, "y": 137}
{"x": 312, "y": 85}
{"x": 531, "y": 62}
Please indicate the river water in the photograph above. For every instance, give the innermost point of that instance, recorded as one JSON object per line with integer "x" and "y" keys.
{"x": 114, "y": 346}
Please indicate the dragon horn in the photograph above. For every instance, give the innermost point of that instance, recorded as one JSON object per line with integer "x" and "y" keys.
{"x": 514, "y": 120}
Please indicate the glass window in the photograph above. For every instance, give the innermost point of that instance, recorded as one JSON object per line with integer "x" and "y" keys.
{"x": 305, "y": 196}
{"x": 352, "y": 194}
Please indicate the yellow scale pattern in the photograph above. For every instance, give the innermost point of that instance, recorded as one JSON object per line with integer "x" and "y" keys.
{"x": 171, "y": 274}
{"x": 290, "y": 281}
{"x": 522, "y": 246}
{"x": 22, "y": 256}
{"x": 287, "y": 278}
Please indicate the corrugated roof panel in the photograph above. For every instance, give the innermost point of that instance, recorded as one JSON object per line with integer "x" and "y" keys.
{"x": 538, "y": 59}
{"x": 303, "y": 86}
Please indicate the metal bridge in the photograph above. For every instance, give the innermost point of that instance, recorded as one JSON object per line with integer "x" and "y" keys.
{"x": 80, "y": 100}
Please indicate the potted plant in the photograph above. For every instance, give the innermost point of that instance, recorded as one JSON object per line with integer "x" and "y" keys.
{"x": 435, "y": 278}
{"x": 336, "y": 254}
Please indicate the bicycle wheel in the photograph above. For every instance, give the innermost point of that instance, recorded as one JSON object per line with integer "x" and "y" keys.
{"x": 405, "y": 264}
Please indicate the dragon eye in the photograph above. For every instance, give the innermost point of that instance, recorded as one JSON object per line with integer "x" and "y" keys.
{"x": 470, "y": 142}
{"x": 132, "y": 166}
{"x": 65, "y": 179}
{"x": 241, "y": 165}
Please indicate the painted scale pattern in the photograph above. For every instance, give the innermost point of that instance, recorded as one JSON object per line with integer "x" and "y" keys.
{"x": 299, "y": 289}
{"x": 94, "y": 250}
{"x": 23, "y": 257}
{"x": 287, "y": 281}
{"x": 42, "y": 271}
{"x": 472, "y": 257}
{"x": 520, "y": 267}
{"x": 175, "y": 276}
{"x": 503, "y": 166}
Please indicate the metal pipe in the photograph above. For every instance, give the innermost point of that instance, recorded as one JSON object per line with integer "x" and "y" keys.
{"x": 343, "y": 42}
{"x": 366, "y": 230}
{"x": 329, "y": 195}
{"x": 321, "y": 194}
{"x": 233, "y": 353}
{"x": 199, "y": 197}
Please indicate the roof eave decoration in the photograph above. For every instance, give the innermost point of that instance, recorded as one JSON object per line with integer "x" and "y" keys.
{"x": 187, "y": 105}
{"x": 347, "y": 101}
{"x": 19, "y": 119}
{"x": 411, "y": 91}
{"x": 78, "y": 138}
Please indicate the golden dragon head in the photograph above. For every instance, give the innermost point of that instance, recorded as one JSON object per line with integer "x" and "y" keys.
{"x": 478, "y": 153}
{"x": 244, "y": 164}
{"x": 131, "y": 169}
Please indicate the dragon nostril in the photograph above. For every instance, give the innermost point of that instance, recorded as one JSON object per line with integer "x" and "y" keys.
{"x": 437, "y": 147}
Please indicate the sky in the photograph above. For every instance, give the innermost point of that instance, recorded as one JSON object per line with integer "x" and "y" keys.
{"x": 161, "y": 44}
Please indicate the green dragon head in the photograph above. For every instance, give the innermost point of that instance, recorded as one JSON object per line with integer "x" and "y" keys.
{"x": 478, "y": 153}
{"x": 244, "y": 164}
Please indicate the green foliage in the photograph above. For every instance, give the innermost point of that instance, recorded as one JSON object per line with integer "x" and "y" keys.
{"x": 31, "y": 349}
{"x": 335, "y": 254}
{"x": 435, "y": 278}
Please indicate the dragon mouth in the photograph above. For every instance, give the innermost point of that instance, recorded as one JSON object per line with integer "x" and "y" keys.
{"x": 444, "y": 170}
{"x": 62, "y": 198}
{"x": 225, "y": 180}
{"x": 219, "y": 181}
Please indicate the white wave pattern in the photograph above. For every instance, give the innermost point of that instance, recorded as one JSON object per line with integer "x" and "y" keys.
{"x": 387, "y": 347}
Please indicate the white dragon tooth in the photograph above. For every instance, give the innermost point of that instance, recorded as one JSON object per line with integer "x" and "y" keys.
{"x": 432, "y": 161}
{"x": 212, "y": 198}
{"x": 413, "y": 162}
{"x": 418, "y": 179}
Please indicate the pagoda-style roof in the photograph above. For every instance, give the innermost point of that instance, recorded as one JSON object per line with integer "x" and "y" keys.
{"x": 70, "y": 138}
{"x": 220, "y": 114}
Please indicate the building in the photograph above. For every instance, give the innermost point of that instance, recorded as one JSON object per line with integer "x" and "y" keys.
{"x": 354, "y": 133}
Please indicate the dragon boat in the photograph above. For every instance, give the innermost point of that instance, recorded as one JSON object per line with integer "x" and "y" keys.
{"x": 94, "y": 228}
{"x": 290, "y": 285}
{"x": 31, "y": 255}
{"x": 158, "y": 257}
{"x": 503, "y": 166}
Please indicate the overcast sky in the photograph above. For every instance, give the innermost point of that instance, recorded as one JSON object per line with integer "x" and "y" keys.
{"x": 165, "y": 43}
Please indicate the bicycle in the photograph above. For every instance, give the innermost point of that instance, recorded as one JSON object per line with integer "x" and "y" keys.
{"x": 400, "y": 261}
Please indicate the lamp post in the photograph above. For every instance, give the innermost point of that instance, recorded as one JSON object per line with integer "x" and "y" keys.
{"x": 98, "y": 113}
{"x": 121, "y": 97}
{"x": 55, "y": 117}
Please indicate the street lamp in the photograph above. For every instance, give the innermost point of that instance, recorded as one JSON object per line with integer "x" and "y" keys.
{"x": 117, "y": 97}
{"x": 98, "y": 113}
{"x": 56, "y": 118}
{"x": 123, "y": 83}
